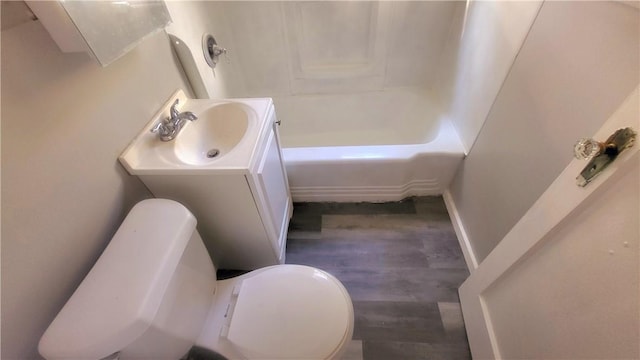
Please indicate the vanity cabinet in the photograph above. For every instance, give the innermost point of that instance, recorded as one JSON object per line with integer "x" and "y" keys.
{"x": 242, "y": 215}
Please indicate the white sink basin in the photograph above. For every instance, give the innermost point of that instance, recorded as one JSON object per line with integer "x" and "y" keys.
{"x": 223, "y": 138}
{"x": 215, "y": 134}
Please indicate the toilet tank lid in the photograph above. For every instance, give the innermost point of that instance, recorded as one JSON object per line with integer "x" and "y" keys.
{"x": 118, "y": 299}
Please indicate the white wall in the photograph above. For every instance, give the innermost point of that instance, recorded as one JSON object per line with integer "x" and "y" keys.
{"x": 580, "y": 60}
{"x": 480, "y": 54}
{"x": 65, "y": 120}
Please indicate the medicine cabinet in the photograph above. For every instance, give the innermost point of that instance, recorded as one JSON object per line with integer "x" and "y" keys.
{"x": 105, "y": 29}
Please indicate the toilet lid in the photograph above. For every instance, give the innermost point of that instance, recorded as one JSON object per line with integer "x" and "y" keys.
{"x": 290, "y": 312}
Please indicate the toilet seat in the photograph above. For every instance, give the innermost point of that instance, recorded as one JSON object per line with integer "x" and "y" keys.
{"x": 291, "y": 312}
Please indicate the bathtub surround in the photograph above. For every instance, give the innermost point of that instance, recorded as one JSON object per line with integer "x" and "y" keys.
{"x": 480, "y": 54}
{"x": 65, "y": 119}
{"x": 346, "y": 94}
{"x": 579, "y": 62}
{"x": 352, "y": 82}
{"x": 400, "y": 262}
{"x": 397, "y": 117}
{"x": 287, "y": 49}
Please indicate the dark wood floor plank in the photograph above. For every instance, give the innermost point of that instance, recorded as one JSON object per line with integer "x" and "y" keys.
{"x": 398, "y": 321}
{"x": 398, "y": 207}
{"x": 305, "y": 222}
{"x": 384, "y": 284}
{"x": 359, "y": 249}
{"x": 377, "y": 350}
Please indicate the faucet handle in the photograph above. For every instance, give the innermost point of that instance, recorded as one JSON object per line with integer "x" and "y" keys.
{"x": 156, "y": 127}
{"x": 173, "y": 112}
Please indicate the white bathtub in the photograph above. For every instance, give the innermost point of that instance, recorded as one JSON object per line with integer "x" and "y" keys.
{"x": 375, "y": 146}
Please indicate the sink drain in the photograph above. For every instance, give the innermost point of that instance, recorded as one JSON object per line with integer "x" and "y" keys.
{"x": 213, "y": 153}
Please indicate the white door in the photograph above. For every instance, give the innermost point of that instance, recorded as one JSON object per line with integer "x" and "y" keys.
{"x": 564, "y": 282}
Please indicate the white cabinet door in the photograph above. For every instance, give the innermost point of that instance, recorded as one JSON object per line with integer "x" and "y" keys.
{"x": 272, "y": 184}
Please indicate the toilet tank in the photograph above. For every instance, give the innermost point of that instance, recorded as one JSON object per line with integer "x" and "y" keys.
{"x": 146, "y": 297}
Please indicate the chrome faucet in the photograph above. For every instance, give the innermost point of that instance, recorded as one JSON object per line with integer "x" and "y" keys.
{"x": 169, "y": 127}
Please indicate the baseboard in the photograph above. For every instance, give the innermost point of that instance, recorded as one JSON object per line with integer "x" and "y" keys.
{"x": 366, "y": 193}
{"x": 458, "y": 226}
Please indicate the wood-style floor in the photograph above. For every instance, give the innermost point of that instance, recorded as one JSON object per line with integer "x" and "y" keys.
{"x": 402, "y": 265}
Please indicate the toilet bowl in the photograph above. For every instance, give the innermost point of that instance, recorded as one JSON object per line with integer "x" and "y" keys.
{"x": 153, "y": 294}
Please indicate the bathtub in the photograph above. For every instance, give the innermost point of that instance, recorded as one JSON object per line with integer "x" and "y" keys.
{"x": 374, "y": 146}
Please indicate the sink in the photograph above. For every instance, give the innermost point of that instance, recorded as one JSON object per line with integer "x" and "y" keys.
{"x": 224, "y": 138}
{"x": 215, "y": 134}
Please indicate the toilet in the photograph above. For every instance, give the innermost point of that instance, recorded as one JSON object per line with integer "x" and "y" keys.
{"x": 153, "y": 294}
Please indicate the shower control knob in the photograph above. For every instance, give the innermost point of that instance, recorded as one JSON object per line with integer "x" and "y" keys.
{"x": 212, "y": 51}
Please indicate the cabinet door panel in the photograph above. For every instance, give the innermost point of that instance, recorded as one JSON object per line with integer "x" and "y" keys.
{"x": 272, "y": 182}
